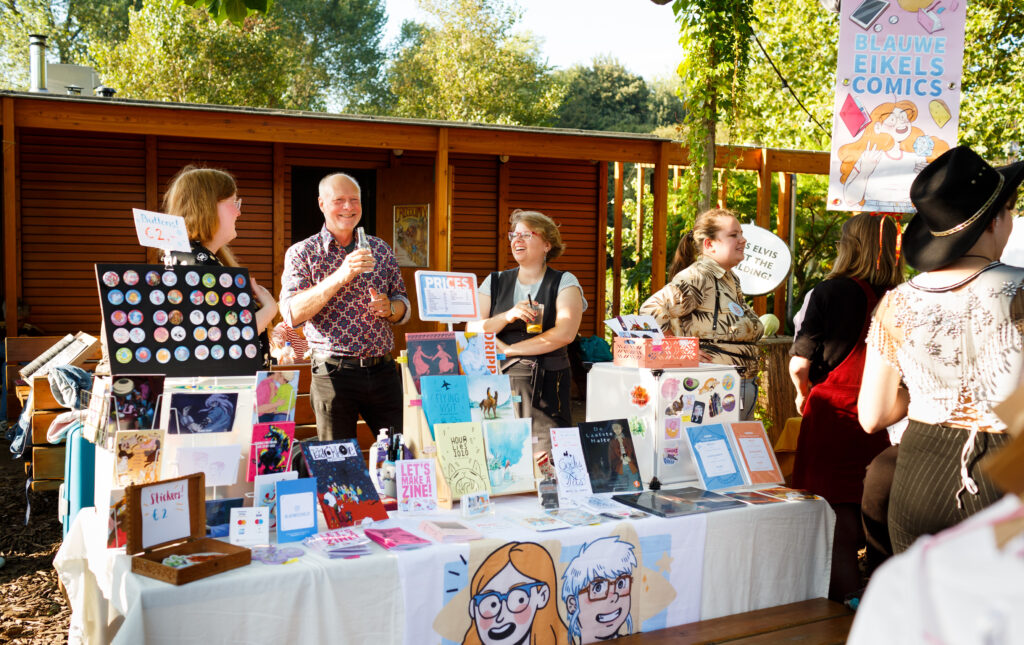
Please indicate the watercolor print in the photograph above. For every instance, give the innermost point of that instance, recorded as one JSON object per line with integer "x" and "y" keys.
{"x": 431, "y": 354}
{"x": 202, "y": 413}
{"x": 509, "y": 455}
{"x": 491, "y": 396}
{"x": 276, "y": 394}
{"x": 271, "y": 449}
{"x": 138, "y": 456}
{"x": 478, "y": 352}
{"x": 412, "y": 235}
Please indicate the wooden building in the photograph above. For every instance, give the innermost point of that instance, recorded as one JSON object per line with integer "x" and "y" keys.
{"x": 74, "y": 167}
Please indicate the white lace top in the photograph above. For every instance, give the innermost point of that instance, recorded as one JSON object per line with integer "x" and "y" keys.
{"x": 959, "y": 352}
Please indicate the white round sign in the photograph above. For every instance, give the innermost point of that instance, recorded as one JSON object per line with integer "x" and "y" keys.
{"x": 766, "y": 261}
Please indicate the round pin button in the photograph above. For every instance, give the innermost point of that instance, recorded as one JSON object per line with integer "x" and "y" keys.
{"x": 228, "y": 299}
{"x": 247, "y": 332}
{"x": 118, "y": 317}
{"x": 212, "y": 298}
{"x": 120, "y": 335}
{"x": 115, "y": 297}
{"x": 244, "y": 299}
{"x": 170, "y": 278}
{"x": 250, "y": 350}
{"x": 143, "y": 354}
{"x": 217, "y": 352}
{"x": 240, "y": 281}
{"x": 231, "y": 318}
{"x": 160, "y": 334}
{"x": 212, "y": 317}
{"x": 135, "y": 317}
{"x": 163, "y": 355}
{"x": 131, "y": 278}
{"x": 181, "y": 353}
{"x": 160, "y": 317}
{"x": 156, "y": 297}
{"x": 178, "y": 333}
{"x": 225, "y": 280}
{"x": 245, "y": 316}
{"x": 123, "y": 355}
{"x": 209, "y": 280}
{"x": 196, "y": 317}
{"x": 133, "y": 297}
{"x": 235, "y": 352}
{"x": 213, "y": 334}
{"x": 111, "y": 279}
{"x": 176, "y": 317}
{"x": 191, "y": 278}
{"x": 233, "y": 333}
{"x": 202, "y": 352}
{"x": 152, "y": 278}
{"x": 199, "y": 333}
{"x": 137, "y": 335}
{"x": 196, "y": 297}
{"x": 174, "y": 297}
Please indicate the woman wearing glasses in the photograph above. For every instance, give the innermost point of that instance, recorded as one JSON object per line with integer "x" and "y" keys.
{"x": 535, "y": 312}
{"x": 208, "y": 200}
{"x": 703, "y": 299}
{"x": 514, "y": 598}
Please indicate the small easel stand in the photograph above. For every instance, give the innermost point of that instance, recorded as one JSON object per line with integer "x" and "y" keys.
{"x": 416, "y": 431}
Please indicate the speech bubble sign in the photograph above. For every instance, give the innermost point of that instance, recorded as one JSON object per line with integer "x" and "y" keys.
{"x": 161, "y": 231}
{"x": 766, "y": 261}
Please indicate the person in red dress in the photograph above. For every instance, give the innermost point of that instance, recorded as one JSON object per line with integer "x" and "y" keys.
{"x": 826, "y": 365}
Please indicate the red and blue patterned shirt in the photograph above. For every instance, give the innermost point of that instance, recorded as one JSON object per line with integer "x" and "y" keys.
{"x": 345, "y": 326}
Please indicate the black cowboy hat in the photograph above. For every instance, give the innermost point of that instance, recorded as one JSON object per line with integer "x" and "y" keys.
{"x": 956, "y": 197}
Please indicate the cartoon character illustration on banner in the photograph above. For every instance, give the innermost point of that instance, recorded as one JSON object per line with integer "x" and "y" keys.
{"x": 596, "y": 590}
{"x": 513, "y": 598}
{"x": 878, "y": 166}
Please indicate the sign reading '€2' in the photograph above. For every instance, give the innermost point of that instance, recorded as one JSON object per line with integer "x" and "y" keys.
{"x": 160, "y": 230}
{"x": 766, "y": 261}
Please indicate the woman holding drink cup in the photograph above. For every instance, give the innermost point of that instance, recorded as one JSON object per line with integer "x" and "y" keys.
{"x": 535, "y": 312}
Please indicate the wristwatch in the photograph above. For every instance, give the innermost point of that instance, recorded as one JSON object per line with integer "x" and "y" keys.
{"x": 391, "y": 303}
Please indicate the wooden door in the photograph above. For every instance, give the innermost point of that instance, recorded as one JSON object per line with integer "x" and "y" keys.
{"x": 401, "y": 186}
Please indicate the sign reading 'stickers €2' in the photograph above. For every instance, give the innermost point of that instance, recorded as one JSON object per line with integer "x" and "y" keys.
{"x": 444, "y": 296}
{"x": 766, "y": 261}
{"x": 161, "y": 231}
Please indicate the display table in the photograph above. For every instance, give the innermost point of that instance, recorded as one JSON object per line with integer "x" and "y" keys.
{"x": 688, "y": 568}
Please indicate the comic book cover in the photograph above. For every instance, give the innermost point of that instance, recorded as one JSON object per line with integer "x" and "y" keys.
{"x": 343, "y": 485}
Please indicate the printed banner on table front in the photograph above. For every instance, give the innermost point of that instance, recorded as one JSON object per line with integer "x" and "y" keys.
{"x": 897, "y": 104}
{"x": 555, "y": 587}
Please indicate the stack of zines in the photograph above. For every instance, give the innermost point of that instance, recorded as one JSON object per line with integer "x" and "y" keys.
{"x": 339, "y": 543}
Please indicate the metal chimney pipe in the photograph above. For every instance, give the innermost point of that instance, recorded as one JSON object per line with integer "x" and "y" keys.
{"x": 37, "y": 62}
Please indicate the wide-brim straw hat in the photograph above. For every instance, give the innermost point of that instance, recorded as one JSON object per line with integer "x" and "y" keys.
{"x": 956, "y": 197}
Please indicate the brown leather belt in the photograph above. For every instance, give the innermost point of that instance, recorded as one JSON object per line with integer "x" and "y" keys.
{"x": 352, "y": 362}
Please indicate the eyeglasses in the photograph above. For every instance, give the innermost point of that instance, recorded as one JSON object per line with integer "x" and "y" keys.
{"x": 523, "y": 235}
{"x": 238, "y": 203}
{"x": 516, "y": 600}
{"x": 599, "y": 588}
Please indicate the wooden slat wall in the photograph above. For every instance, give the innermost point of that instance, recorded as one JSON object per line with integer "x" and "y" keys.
{"x": 77, "y": 192}
{"x": 566, "y": 191}
{"x": 252, "y": 166}
{"x": 475, "y": 214}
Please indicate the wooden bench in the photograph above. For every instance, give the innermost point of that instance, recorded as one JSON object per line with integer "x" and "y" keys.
{"x": 44, "y": 461}
{"x": 811, "y": 622}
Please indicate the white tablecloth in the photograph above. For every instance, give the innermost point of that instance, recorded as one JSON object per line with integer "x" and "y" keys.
{"x": 753, "y": 557}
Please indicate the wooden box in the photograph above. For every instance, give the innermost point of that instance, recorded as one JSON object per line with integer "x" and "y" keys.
{"x": 188, "y": 540}
{"x": 657, "y": 353}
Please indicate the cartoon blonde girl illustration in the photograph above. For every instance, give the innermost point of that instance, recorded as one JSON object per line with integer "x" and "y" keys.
{"x": 596, "y": 590}
{"x": 513, "y": 599}
{"x": 877, "y": 168}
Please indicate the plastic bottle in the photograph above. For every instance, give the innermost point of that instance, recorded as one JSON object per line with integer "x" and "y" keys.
{"x": 378, "y": 453}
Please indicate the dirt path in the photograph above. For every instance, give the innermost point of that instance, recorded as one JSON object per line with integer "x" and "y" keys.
{"x": 32, "y": 608}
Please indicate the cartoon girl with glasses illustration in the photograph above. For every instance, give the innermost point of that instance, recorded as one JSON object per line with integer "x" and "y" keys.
{"x": 512, "y": 601}
{"x": 596, "y": 590}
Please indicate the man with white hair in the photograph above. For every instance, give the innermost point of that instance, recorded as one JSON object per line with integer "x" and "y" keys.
{"x": 348, "y": 298}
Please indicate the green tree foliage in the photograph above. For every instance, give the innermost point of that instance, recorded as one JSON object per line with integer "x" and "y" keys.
{"x": 471, "y": 66}
{"x": 69, "y": 24}
{"x": 234, "y": 10}
{"x": 606, "y": 96}
{"x": 186, "y": 56}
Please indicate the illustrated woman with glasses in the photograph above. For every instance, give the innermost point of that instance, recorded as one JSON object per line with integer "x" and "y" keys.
{"x": 208, "y": 200}
{"x": 535, "y": 311}
{"x": 513, "y": 599}
{"x": 596, "y": 588}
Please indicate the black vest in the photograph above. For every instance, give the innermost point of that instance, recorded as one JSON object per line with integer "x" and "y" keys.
{"x": 503, "y": 287}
